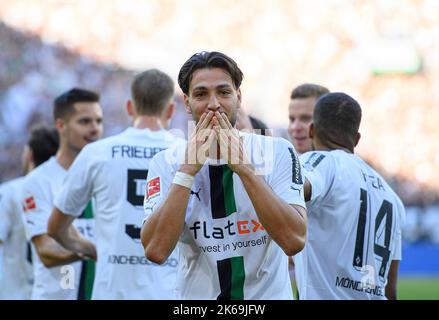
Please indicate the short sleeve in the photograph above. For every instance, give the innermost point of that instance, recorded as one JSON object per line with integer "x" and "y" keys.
{"x": 287, "y": 180}
{"x": 318, "y": 169}
{"x": 77, "y": 188}
{"x": 158, "y": 183}
{"x": 397, "y": 248}
{"x": 37, "y": 205}
{"x": 5, "y": 208}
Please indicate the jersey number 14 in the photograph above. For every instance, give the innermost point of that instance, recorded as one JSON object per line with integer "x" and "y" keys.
{"x": 383, "y": 251}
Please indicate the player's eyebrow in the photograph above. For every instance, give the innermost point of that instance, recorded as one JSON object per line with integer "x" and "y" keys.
{"x": 224, "y": 86}
{"x": 204, "y": 87}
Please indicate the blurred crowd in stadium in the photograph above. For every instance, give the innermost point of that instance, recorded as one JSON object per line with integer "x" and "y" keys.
{"x": 401, "y": 106}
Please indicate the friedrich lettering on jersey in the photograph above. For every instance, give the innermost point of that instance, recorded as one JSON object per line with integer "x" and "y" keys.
{"x": 138, "y": 152}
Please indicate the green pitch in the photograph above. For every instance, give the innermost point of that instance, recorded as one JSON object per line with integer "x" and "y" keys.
{"x": 418, "y": 289}
{"x": 412, "y": 289}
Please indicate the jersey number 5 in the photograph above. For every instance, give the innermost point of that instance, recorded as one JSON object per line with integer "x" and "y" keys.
{"x": 135, "y": 194}
{"x": 385, "y": 211}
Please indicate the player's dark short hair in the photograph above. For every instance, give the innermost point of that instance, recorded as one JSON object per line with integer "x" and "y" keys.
{"x": 63, "y": 105}
{"x": 337, "y": 118}
{"x": 152, "y": 91}
{"x": 308, "y": 90}
{"x": 208, "y": 60}
{"x": 44, "y": 143}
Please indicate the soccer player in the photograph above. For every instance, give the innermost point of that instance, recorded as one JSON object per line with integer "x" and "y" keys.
{"x": 17, "y": 278}
{"x": 113, "y": 172}
{"x": 59, "y": 274}
{"x": 354, "y": 218}
{"x": 303, "y": 99}
{"x": 233, "y": 224}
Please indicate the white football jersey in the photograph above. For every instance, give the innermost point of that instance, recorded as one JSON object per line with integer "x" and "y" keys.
{"x": 74, "y": 280}
{"x": 354, "y": 229}
{"x": 113, "y": 172}
{"x": 17, "y": 276}
{"x": 225, "y": 252}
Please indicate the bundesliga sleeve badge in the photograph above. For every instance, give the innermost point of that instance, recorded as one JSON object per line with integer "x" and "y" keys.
{"x": 153, "y": 188}
{"x": 29, "y": 204}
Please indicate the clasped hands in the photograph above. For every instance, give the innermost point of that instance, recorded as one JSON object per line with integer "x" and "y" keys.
{"x": 214, "y": 137}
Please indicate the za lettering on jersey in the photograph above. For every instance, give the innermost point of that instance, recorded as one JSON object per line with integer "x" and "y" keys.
{"x": 88, "y": 266}
{"x": 231, "y": 271}
{"x": 314, "y": 160}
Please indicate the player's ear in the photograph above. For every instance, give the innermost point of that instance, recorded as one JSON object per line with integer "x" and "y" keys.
{"x": 59, "y": 124}
{"x": 311, "y": 130}
{"x": 357, "y": 138}
{"x": 186, "y": 103}
{"x": 130, "y": 108}
{"x": 170, "y": 110}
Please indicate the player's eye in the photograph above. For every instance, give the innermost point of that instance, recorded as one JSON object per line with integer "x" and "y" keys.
{"x": 199, "y": 94}
{"x": 83, "y": 121}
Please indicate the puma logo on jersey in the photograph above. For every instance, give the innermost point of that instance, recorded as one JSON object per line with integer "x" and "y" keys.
{"x": 197, "y": 194}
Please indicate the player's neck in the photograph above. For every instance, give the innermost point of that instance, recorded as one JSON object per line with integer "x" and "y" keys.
{"x": 65, "y": 156}
{"x": 148, "y": 122}
{"x": 332, "y": 147}
{"x": 329, "y": 145}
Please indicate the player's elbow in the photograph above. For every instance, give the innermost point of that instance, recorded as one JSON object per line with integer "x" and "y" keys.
{"x": 53, "y": 232}
{"x": 294, "y": 239}
{"x": 48, "y": 263}
{"x": 155, "y": 255}
{"x": 45, "y": 257}
{"x": 53, "y": 229}
{"x": 295, "y": 245}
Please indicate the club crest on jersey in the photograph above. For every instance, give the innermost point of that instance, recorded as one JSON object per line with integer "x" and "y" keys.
{"x": 153, "y": 188}
{"x": 29, "y": 204}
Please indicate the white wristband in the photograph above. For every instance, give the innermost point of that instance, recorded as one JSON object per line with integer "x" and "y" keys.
{"x": 183, "y": 179}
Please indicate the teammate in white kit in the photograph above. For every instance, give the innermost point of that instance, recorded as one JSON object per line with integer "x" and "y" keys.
{"x": 58, "y": 272}
{"x": 300, "y": 110}
{"x": 113, "y": 172}
{"x": 233, "y": 226}
{"x": 17, "y": 278}
{"x": 353, "y": 246}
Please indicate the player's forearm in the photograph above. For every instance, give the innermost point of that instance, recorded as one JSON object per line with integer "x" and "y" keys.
{"x": 161, "y": 231}
{"x": 392, "y": 281}
{"x": 286, "y": 224}
{"x": 72, "y": 240}
{"x": 53, "y": 255}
